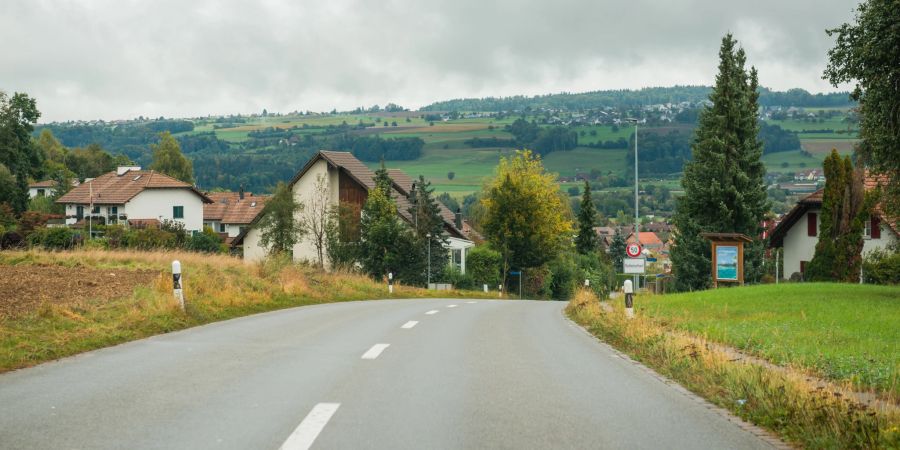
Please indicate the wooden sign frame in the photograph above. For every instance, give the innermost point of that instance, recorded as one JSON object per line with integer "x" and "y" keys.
{"x": 727, "y": 240}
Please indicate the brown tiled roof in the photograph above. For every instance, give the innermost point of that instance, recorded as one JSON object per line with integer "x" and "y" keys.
{"x": 113, "y": 189}
{"x": 43, "y": 184}
{"x": 404, "y": 182}
{"x": 230, "y": 209}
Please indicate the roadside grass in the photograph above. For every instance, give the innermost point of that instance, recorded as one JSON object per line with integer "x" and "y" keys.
{"x": 216, "y": 287}
{"x": 786, "y": 402}
{"x": 843, "y": 332}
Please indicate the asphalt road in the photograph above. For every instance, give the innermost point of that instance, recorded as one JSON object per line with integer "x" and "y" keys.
{"x": 481, "y": 374}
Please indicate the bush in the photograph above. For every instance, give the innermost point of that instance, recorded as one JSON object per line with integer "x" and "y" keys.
{"x": 11, "y": 239}
{"x": 176, "y": 230}
{"x": 882, "y": 267}
{"x": 150, "y": 238}
{"x": 563, "y": 277}
{"x": 207, "y": 241}
{"x": 483, "y": 265}
{"x": 58, "y": 238}
{"x": 596, "y": 268}
{"x": 115, "y": 236}
{"x": 457, "y": 279}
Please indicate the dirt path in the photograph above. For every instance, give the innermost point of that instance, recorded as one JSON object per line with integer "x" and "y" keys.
{"x": 25, "y": 288}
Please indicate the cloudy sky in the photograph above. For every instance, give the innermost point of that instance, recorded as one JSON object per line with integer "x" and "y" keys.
{"x": 121, "y": 58}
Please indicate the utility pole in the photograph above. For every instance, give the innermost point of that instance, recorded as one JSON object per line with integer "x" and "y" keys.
{"x": 428, "y": 283}
{"x": 637, "y": 235}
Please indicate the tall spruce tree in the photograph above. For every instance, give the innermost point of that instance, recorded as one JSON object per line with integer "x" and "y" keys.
{"x": 838, "y": 254}
{"x": 723, "y": 183}
{"x": 426, "y": 214}
{"x": 386, "y": 245}
{"x": 586, "y": 242}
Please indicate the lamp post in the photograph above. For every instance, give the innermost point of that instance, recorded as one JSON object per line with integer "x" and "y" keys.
{"x": 637, "y": 235}
{"x": 428, "y": 277}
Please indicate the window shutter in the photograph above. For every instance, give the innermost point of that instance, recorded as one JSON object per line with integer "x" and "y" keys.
{"x": 811, "y": 224}
{"x": 876, "y": 227}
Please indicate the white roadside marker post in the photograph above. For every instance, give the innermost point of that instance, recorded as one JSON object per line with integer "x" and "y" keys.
{"x": 587, "y": 283}
{"x": 390, "y": 282}
{"x": 500, "y": 290}
{"x": 485, "y": 288}
{"x": 176, "y": 283}
{"x": 629, "y": 299}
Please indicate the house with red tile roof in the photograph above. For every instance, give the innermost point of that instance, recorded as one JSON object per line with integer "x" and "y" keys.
{"x": 798, "y": 231}
{"x": 232, "y": 212}
{"x": 130, "y": 194}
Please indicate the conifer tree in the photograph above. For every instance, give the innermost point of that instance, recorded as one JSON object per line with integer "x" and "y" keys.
{"x": 838, "y": 254}
{"x": 587, "y": 240}
{"x": 385, "y": 243}
{"x": 723, "y": 183}
{"x": 426, "y": 214}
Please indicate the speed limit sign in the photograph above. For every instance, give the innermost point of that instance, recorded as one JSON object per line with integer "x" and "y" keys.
{"x": 633, "y": 250}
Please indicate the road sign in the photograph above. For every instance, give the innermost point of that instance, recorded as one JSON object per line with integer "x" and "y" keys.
{"x": 651, "y": 259}
{"x": 633, "y": 265}
{"x": 515, "y": 273}
{"x": 633, "y": 250}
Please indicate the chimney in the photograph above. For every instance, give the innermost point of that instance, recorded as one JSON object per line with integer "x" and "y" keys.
{"x": 241, "y": 193}
{"x": 459, "y": 224}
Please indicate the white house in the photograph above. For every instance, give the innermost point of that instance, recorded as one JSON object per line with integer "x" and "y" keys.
{"x": 798, "y": 232}
{"x": 131, "y": 195}
{"x": 232, "y": 212}
{"x": 42, "y": 189}
{"x": 349, "y": 181}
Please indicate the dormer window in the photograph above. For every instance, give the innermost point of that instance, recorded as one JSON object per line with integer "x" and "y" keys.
{"x": 136, "y": 178}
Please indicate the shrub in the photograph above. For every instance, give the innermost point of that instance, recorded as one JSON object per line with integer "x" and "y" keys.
{"x": 115, "y": 236}
{"x": 207, "y": 241}
{"x": 882, "y": 267}
{"x": 563, "y": 277}
{"x": 483, "y": 265}
{"x": 58, "y": 238}
{"x": 11, "y": 239}
{"x": 457, "y": 279}
{"x": 176, "y": 230}
{"x": 150, "y": 238}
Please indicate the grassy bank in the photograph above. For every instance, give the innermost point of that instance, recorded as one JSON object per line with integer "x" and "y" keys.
{"x": 215, "y": 287}
{"x": 786, "y": 402}
{"x": 843, "y": 332}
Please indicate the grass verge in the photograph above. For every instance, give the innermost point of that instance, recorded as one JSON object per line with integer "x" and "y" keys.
{"x": 786, "y": 402}
{"x": 215, "y": 287}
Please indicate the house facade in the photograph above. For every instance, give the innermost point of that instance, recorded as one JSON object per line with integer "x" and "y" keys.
{"x": 348, "y": 182}
{"x": 42, "y": 189}
{"x": 798, "y": 233}
{"x": 231, "y": 213}
{"x": 134, "y": 196}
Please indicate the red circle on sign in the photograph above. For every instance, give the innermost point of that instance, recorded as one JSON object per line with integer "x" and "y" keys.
{"x": 633, "y": 250}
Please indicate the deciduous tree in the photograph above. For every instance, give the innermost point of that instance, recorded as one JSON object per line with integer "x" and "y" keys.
{"x": 525, "y": 216}
{"x": 867, "y": 52}
{"x": 18, "y": 151}
{"x": 168, "y": 159}
{"x": 279, "y": 225}
{"x": 316, "y": 218}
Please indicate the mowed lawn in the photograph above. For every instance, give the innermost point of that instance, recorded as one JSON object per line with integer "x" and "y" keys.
{"x": 843, "y": 331}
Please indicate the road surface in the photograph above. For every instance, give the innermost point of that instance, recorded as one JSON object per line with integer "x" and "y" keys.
{"x": 399, "y": 374}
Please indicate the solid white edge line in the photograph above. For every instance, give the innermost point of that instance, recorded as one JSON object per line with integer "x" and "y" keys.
{"x": 410, "y": 324}
{"x": 433, "y": 311}
{"x": 375, "y": 351}
{"x": 308, "y": 430}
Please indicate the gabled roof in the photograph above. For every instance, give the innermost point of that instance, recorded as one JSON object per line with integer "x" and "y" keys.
{"x": 113, "y": 189}
{"x": 229, "y": 208}
{"x": 404, "y": 184}
{"x": 646, "y": 237}
{"x": 43, "y": 184}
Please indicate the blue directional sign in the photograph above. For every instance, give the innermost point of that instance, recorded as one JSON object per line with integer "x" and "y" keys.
{"x": 515, "y": 273}
{"x": 651, "y": 259}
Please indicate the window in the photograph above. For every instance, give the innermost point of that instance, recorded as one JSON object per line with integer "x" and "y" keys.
{"x": 457, "y": 259}
{"x": 113, "y": 210}
{"x": 41, "y": 193}
{"x": 875, "y": 224}
{"x": 95, "y": 210}
{"x": 867, "y": 233}
{"x": 178, "y": 212}
{"x": 812, "y": 225}
{"x": 221, "y": 228}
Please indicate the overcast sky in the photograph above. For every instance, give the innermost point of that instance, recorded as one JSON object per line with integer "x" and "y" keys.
{"x": 121, "y": 59}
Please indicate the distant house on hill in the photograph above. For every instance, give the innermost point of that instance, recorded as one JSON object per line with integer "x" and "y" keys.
{"x": 42, "y": 189}
{"x": 232, "y": 212}
{"x": 798, "y": 231}
{"x": 349, "y": 182}
{"x": 140, "y": 197}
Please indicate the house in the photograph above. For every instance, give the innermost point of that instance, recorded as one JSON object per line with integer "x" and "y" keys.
{"x": 349, "y": 182}
{"x": 798, "y": 232}
{"x": 41, "y": 189}
{"x": 232, "y": 212}
{"x": 648, "y": 240}
{"x": 136, "y": 197}
{"x": 815, "y": 175}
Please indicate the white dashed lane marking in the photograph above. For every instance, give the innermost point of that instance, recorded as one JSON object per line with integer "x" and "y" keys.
{"x": 308, "y": 430}
{"x": 433, "y": 311}
{"x": 375, "y": 351}
{"x": 451, "y": 306}
{"x": 409, "y": 324}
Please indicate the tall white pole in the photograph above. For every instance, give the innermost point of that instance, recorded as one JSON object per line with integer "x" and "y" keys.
{"x": 637, "y": 235}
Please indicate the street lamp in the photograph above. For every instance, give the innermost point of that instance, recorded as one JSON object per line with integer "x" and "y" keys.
{"x": 428, "y": 283}
{"x": 637, "y": 235}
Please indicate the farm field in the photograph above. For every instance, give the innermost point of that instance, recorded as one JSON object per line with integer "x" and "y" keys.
{"x": 844, "y": 332}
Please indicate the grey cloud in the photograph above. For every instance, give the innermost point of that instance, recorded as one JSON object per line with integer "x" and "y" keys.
{"x": 115, "y": 59}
